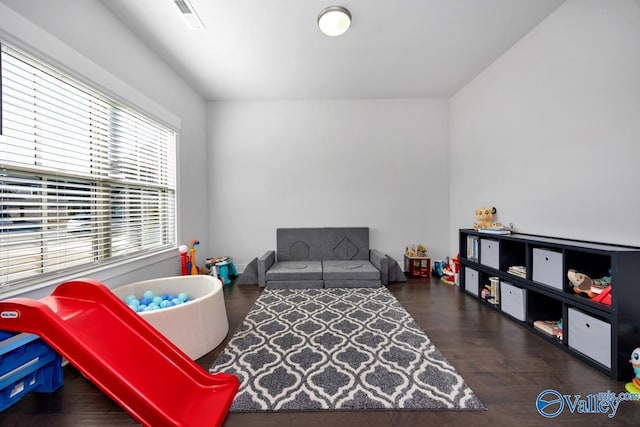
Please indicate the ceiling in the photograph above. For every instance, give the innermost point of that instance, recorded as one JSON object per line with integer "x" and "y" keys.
{"x": 273, "y": 49}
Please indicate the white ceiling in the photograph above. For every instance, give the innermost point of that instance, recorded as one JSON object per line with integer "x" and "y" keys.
{"x": 273, "y": 49}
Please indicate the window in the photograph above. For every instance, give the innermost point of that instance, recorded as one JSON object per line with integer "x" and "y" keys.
{"x": 84, "y": 180}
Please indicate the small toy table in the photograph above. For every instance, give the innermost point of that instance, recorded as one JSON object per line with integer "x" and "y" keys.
{"x": 223, "y": 268}
{"x": 417, "y": 266}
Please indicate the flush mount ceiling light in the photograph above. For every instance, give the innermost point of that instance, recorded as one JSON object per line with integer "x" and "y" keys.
{"x": 334, "y": 20}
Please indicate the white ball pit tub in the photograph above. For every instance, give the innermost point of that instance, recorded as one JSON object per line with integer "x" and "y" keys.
{"x": 195, "y": 327}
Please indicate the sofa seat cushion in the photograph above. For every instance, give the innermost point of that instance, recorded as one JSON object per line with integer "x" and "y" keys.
{"x": 295, "y": 270}
{"x": 295, "y": 284}
{"x": 349, "y": 270}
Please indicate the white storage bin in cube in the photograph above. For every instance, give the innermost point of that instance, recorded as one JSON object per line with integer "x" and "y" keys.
{"x": 513, "y": 300}
{"x": 590, "y": 336}
{"x": 489, "y": 252}
{"x": 471, "y": 281}
{"x": 547, "y": 268}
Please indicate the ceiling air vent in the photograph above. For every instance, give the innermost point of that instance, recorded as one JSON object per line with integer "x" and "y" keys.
{"x": 189, "y": 14}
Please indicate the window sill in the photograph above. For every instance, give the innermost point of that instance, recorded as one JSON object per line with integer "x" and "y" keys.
{"x": 164, "y": 262}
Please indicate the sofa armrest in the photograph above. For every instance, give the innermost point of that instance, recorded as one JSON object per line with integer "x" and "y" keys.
{"x": 396, "y": 273}
{"x": 380, "y": 261}
{"x": 264, "y": 263}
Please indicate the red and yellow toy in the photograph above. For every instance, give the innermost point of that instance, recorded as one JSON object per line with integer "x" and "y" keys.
{"x": 451, "y": 270}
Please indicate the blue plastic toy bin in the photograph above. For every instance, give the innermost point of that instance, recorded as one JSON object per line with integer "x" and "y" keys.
{"x": 26, "y": 364}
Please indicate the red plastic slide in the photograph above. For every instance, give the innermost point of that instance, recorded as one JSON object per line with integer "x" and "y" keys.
{"x": 123, "y": 355}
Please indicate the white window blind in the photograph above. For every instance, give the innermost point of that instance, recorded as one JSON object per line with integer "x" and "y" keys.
{"x": 83, "y": 179}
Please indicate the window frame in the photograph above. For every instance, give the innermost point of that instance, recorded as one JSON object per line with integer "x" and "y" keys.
{"x": 109, "y": 261}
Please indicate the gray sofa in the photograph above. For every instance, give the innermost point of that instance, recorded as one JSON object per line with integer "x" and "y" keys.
{"x": 322, "y": 258}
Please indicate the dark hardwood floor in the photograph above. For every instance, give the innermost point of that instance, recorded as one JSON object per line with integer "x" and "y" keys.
{"x": 506, "y": 365}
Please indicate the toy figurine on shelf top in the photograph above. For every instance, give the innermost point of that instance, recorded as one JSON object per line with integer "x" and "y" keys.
{"x": 485, "y": 224}
{"x": 484, "y": 217}
{"x": 418, "y": 251}
{"x": 421, "y": 251}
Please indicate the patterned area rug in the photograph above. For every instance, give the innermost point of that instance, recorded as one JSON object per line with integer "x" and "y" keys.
{"x": 338, "y": 349}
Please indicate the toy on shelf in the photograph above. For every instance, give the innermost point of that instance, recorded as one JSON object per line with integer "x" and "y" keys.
{"x": 414, "y": 251}
{"x": 491, "y": 292}
{"x": 485, "y": 224}
{"x": 560, "y": 330}
{"x": 553, "y": 328}
{"x": 450, "y": 270}
{"x": 484, "y": 217}
{"x": 634, "y": 385}
{"x": 604, "y": 297}
{"x": 599, "y": 290}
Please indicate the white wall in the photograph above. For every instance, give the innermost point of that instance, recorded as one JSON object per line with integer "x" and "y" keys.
{"x": 83, "y": 35}
{"x": 376, "y": 163}
{"x": 550, "y": 132}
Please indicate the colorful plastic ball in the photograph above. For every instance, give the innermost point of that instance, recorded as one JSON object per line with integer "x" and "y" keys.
{"x": 150, "y": 301}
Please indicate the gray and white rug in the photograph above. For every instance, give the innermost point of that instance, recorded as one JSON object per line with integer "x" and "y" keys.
{"x": 338, "y": 349}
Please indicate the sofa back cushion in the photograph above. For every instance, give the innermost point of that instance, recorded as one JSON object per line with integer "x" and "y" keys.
{"x": 309, "y": 244}
{"x": 299, "y": 244}
{"x": 346, "y": 243}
